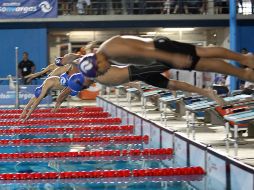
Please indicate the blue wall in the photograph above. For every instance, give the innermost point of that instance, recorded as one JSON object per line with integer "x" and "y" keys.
{"x": 34, "y": 41}
{"x": 246, "y": 39}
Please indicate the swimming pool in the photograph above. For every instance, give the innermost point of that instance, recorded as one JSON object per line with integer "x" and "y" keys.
{"x": 24, "y": 165}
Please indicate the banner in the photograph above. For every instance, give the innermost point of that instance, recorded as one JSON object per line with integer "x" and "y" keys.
{"x": 8, "y": 96}
{"x": 10, "y": 9}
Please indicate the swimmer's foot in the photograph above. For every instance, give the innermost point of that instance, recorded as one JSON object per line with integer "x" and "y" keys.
{"x": 249, "y": 74}
{"x": 248, "y": 61}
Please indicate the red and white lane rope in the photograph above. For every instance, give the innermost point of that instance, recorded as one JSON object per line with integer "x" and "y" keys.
{"x": 59, "y": 115}
{"x": 61, "y": 121}
{"x": 60, "y": 110}
{"x": 77, "y": 130}
{"x": 105, "y": 173}
{"x": 97, "y": 153}
{"x": 106, "y": 139}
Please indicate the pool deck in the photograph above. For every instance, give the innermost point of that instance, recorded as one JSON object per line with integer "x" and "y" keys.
{"x": 208, "y": 134}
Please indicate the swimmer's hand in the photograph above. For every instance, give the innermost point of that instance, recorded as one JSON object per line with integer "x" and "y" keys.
{"x": 23, "y": 114}
{"x": 54, "y": 110}
{"x": 212, "y": 94}
{"x": 26, "y": 118}
{"x": 28, "y": 76}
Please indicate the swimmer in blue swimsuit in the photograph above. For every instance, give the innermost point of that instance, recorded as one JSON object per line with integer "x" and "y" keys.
{"x": 74, "y": 85}
{"x": 53, "y": 82}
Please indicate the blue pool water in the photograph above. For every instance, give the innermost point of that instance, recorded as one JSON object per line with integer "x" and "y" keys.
{"x": 80, "y": 164}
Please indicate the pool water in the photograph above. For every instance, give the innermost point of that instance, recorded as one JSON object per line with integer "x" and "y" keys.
{"x": 100, "y": 186}
{"x": 85, "y": 164}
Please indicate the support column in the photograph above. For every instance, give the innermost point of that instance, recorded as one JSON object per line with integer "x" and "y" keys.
{"x": 233, "y": 38}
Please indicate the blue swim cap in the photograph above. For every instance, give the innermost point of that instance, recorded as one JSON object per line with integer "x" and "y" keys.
{"x": 88, "y": 65}
{"x": 58, "y": 61}
{"x": 64, "y": 79}
{"x": 76, "y": 81}
{"x": 74, "y": 93}
{"x": 37, "y": 91}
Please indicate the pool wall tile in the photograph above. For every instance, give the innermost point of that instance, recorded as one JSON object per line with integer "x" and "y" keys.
{"x": 147, "y": 131}
{"x": 138, "y": 125}
{"x": 180, "y": 149}
{"x": 124, "y": 117}
{"x": 154, "y": 136}
{"x": 166, "y": 140}
{"x": 113, "y": 111}
{"x": 216, "y": 173}
{"x": 240, "y": 179}
{"x": 197, "y": 156}
{"x": 131, "y": 119}
{"x": 119, "y": 112}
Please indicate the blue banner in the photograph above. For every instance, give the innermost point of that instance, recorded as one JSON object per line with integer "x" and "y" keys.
{"x": 26, "y": 92}
{"x": 28, "y": 9}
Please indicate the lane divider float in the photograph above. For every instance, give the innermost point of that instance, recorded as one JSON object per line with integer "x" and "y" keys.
{"x": 106, "y": 139}
{"x": 97, "y": 153}
{"x": 106, "y": 129}
{"x": 105, "y": 173}
{"x": 59, "y": 115}
{"x": 70, "y": 121}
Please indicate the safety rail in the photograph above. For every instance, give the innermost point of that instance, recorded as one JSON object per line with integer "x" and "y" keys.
{"x": 128, "y": 7}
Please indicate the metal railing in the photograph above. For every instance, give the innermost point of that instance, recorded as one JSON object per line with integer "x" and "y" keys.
{"x": 135, "y": 7}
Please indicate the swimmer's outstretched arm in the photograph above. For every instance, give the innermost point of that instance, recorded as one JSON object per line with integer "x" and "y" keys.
{"x": 70, "y": 58}
{"x": 61, "y": 97}
{"x": 183, "y": 86}
{"x": 44, "y": 71}
{"x": 37, "y": 101}
{"x": 30, "y": 103}
{"x": 60, "y": 70}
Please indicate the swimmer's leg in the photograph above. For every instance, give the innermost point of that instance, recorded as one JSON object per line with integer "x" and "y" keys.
{"x": 223, "y": 53}
{"x": 220, "y": 66}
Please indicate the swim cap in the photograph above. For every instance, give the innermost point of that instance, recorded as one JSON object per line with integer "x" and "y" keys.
{"x": 74, "y": 93}
{"x": 37, "y": 91}
{"x": 88, "y": 65}
{"x": 64, "y": 79}
{"x": 58, "y": 61}
{"x": 76, "y": 81}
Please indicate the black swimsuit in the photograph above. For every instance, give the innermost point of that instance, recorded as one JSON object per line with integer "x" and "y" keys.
{"x": 150, "y": 74}
{"x": 165, "y": 44}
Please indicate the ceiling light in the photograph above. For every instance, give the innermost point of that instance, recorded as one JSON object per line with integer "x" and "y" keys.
{"x": 151, "y": 33}
{"x": 177, "y": 29}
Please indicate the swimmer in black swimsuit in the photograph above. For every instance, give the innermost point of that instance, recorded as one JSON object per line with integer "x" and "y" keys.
{"x": 149, "y": 74}
{"x": 174, "y": 54}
